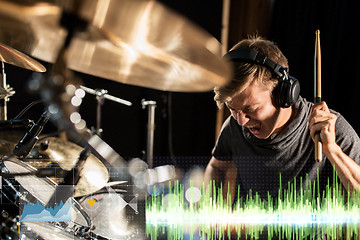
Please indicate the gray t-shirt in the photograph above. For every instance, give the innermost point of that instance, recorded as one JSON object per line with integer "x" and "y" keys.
{"x": 290, "y": 152}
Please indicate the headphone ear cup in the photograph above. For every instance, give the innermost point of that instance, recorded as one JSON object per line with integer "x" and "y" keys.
{"x": 278, "y": 94}
{"x": 287, "y": 92}
{"x": 293, "y": 91}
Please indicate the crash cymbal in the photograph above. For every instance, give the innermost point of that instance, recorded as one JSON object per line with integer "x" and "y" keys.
{"x": 140, "y": 43}
{"x": 94, "y": 174}
{"x": 16, "y": 58}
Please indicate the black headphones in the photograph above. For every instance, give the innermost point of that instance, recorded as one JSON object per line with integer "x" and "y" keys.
{"x": 287, "y": 91}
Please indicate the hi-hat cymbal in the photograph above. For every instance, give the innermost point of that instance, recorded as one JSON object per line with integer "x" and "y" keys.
{"x": 16, "y": 58}
{"x": 134, "y": 42}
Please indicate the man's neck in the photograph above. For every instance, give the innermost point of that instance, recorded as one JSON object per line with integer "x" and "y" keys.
{"x": 284, "y": 119}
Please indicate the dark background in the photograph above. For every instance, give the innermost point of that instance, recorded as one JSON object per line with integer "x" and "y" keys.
{"x": 185, "y": 122}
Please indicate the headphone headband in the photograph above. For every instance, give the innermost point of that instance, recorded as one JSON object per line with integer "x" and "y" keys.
{"x": 251, "y": 55}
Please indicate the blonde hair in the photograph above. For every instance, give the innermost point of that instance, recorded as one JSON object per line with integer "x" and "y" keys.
{"x": 246, "y": 72}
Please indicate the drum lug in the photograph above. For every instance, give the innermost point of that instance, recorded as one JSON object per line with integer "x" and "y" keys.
{"x": 5, "y": 214}
{"x": 62, "y": 225}
{"x": 81, "y": 231}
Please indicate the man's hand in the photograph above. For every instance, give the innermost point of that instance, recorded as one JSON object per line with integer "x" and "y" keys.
{"x": 323, "y": 121}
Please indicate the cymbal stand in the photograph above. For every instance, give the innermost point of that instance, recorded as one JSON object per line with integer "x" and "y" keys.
{"x": 150, "y": 130}
{"x": 101, "y": 95}
{"x": 5, "y": 92}
{"x": 100, "y": 101}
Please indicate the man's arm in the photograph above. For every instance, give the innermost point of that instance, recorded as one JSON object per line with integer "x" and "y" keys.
{"x": 221, "y": 172}
{"x": 323, "y": 121}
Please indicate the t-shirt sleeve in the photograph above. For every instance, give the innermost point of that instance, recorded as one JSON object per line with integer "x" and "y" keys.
{"x": 222, "y": 149}
{"x": 347, "y": 138}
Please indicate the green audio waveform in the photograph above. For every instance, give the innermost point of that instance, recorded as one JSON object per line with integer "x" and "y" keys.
{"x": 291, "y": 215}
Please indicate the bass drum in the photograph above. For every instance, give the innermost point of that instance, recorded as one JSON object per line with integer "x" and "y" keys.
{"x": 19, "y": 191}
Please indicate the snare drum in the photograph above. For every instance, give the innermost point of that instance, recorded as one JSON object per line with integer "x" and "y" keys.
{"x": 30, "y": 189}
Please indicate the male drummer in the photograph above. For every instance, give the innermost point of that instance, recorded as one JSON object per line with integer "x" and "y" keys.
{"x": 271, "y": 129}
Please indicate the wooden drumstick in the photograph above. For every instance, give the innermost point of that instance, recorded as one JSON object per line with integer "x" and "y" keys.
{"x": 317, "y": 93}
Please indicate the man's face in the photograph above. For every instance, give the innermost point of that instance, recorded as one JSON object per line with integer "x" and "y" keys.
{"x": 253, "y": 108}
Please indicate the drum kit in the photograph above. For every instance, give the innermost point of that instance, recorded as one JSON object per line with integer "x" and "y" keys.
{"x": 141, "y": 43}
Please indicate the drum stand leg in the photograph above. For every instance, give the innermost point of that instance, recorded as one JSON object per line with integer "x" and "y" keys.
{"x": 100, "y": 101}
{"x": 5, "y": 92}
{"x": 150, "y": 130}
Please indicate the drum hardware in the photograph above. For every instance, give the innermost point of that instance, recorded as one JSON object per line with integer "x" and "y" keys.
{"x": 6, "y": 92}
{"x": 15, "y": 199}
{"x": 26, "y": 144}
{"x": 101, "y": 95}
{"x": 14, "y": 57}
{"x": 150, "y": 130}
{"x": 40, "y": 172}
{"x": 104, "y": 94}
{"x": 12, "y": 131}
{"x": 114, "y": 184}
{"x": 16, "y": 123}
{"x": 30, "y": 189}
